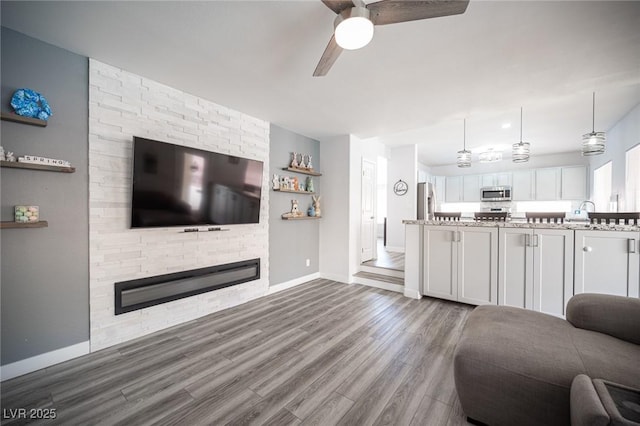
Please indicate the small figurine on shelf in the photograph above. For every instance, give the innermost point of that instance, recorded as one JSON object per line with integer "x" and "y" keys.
{"x": 309, "y": 184}
{"x": 10, "y": 157}
{"x": 309, "y": 164}
{"x": 295, "y": 211}
{"x": 302, "y": 165}
{"x": 295, "y": 184}
{"x": 2, "y": 156}
{"x": 311, "y": 211}
{"x": 284, "y": 182}
{"x": 275, "y": 182}
{"x": 294, "y": 162}
{"x": 316, "y": 204}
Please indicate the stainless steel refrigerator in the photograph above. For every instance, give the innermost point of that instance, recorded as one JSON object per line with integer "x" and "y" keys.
{"x": 426, "y": 201}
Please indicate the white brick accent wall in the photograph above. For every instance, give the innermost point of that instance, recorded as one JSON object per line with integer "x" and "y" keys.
{"x": 123, "y": 105}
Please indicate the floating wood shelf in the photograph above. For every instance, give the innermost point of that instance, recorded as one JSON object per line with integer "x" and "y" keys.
{"x": 296, "y": 192}
{"x": 303, "y": 171}
{"x": 42, "y": 167}
{"x": 9, "y": 116}
{"x": 7, "y": 225}
{"x": 301, "y": 217}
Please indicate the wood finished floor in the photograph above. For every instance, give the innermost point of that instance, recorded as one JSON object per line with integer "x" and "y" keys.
{"x": 322, "y": 353}
{"x": 386, "y": 259}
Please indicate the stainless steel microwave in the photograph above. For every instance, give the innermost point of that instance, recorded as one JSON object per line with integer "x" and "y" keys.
{"x": 495, "y": 193}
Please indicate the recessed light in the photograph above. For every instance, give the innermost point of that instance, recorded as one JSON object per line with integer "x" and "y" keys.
{"x": 506, "y": 125}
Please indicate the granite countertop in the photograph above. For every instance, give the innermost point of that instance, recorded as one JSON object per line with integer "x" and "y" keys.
{"x": 522, "y": 224}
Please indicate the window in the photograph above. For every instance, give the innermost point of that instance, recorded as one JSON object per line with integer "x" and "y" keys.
{"x": 543, "y": 206}
{"x": 460, "y": 207}
{"x": 602, "y": 187}
{"x": 632, "y": 180}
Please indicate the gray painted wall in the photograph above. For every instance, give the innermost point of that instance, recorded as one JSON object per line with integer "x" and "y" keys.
{"x": 291, "y": 242}
{"x": 45, "y": 271}
{"x": 623, "y": 136}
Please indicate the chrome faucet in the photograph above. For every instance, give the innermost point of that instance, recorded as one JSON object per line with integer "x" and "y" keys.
{"x": 584, "y": 204}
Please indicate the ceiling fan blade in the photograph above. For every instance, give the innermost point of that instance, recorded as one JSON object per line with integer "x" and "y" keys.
{"x": 338, "y": 5}
{"x": 393, "y": 11}
{"x": 331, "y": 53}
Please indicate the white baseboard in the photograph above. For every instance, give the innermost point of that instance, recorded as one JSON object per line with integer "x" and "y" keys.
{"x": 18, "y": 368}
{"x": 292, "y": 283}
{"x": 414, "y": 294}
{"x": 395, "y": 249}
{"x": 336, "y": 277}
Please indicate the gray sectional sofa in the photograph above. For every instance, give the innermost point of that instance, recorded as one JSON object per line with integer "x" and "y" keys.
{"x": 515, "y": 367}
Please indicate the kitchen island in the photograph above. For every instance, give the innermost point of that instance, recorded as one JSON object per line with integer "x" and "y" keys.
{"x": 535, "y": 266}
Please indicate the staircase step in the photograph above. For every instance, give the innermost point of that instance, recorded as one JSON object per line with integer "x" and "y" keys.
{"x": 382, "y": 271}
{"x": 380, "y": 281}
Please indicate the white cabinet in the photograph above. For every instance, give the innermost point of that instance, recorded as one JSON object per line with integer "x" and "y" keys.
{"x": 574, "y": 183}
{"x": 547, "y": 184}
{"x": 496, "y": 179}
{"x": 440, "y": 262}
{"x": 440, "y": 183}
{"x": 522, "y": 189}
{"x": 607, "y": 262}
{"x": 460, "y": 263}
{"x": 471, "y": 188}
{"x": 453, "y": 189}
{"x": 535, "y": 269}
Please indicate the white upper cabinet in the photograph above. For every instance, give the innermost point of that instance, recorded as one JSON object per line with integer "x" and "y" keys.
{"x": 453, "y": 189}
{"x": 547, "y": 184}
{"x": 496, "y": 179}
{"x": 471, "y": 188}
{"x": 574, "y": 183}
{"x": 522, "y": 185}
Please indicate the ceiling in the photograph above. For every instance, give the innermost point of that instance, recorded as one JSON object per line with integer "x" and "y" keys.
{"x": 414, "y": 83}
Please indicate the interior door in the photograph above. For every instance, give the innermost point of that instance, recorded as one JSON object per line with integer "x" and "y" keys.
{"x": 368, "y": 234}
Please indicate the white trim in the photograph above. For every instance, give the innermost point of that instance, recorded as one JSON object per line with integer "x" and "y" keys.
{"x": 47, "y": 359}
{"x": 395, "y": 249}
{"x": 336, "y": 277}
{"x": 379, "y": 284}
{"x": 382, "y": 271}
{"x": 292, "y": 283}
{"x": 414, "y": 294}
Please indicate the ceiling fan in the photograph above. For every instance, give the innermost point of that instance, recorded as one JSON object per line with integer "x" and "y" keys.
{"x": 353, "y": 27}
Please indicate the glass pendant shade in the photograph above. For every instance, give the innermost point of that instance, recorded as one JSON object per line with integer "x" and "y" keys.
{"x": 464, "y": 156}
{"x": 490, "y": 156}
{"x": 593, "y": 143}
{"x": 521, "y": 152}
{"x": 353, "y": 28}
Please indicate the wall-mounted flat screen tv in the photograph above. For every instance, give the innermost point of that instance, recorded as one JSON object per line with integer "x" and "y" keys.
{"x": 175, "y": 185}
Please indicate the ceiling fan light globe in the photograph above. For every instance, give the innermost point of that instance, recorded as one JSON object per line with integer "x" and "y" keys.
{"x": 354, "y": 33}
{"x": 353, "y": 28}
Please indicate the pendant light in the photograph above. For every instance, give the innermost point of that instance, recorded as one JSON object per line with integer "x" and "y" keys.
{"x": 521, "y": 151}
{"x": 593, "y": 143}
{"x": 464, "y": 156}
{"x": 490, "y": 156}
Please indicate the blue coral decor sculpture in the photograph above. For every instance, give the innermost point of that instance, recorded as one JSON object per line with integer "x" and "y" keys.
{"x": 29, "y": 103}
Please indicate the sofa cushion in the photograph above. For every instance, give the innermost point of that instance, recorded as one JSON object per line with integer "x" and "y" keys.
{"x": 605, "y": 357}
{"x": 613, "y": 315}
{"x": 515, "y": 366}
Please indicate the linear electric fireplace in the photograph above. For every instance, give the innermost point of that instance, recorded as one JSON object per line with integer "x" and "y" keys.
{"x": 142, "y": 293}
